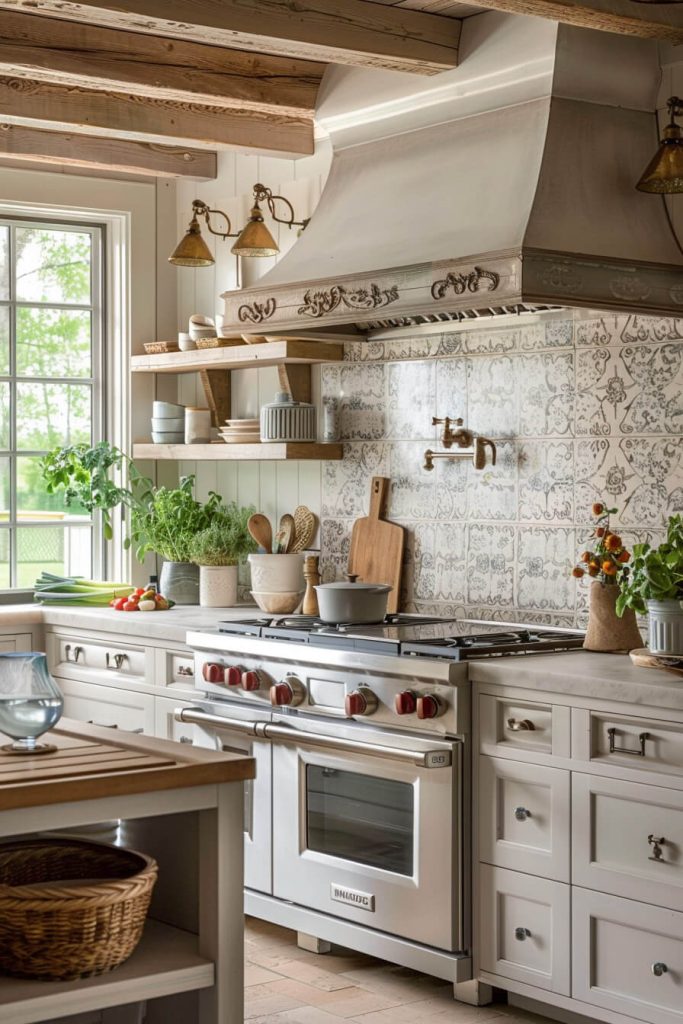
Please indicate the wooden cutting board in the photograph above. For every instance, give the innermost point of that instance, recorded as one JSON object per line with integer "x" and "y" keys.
{"x": 376, "y": 554}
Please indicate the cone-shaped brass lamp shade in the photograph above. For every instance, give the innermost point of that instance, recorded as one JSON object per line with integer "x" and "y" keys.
{"x": 192, "y": 250}
{"x": 255, "y": 239}
{"x": 664, "y": 174}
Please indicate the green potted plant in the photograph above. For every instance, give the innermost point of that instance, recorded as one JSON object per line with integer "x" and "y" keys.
{"x": 654, "y": 585}
{"x": 606, "y": 564}
{"x": 217, "y": 551}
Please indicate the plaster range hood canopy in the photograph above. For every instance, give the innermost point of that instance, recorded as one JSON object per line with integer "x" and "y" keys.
{"x": 505, "y": 184}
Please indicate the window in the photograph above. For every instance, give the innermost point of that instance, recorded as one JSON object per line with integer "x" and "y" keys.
{"x": 51, "y": 327}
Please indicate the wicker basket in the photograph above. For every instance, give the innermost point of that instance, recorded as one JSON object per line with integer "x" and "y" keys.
{"x": 60, "y": 931}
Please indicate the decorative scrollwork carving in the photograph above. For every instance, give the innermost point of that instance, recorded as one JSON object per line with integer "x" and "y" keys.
{"x": 477, "y": 280}
{"x": 317, "y": 304}
{"x": 257, "y": 312}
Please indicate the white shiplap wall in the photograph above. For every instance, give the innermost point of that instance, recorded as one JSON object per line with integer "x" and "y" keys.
{"x": 274, "y": 488}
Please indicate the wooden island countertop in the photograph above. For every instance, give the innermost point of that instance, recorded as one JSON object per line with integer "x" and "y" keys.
{"x": 92, "y": 762}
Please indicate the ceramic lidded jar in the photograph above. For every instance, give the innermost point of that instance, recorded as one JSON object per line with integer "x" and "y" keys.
{"x": 286, "y": 420}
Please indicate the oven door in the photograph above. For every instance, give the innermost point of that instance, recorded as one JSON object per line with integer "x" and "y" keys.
{"x": 370, "y": 839}
{"x": 258, "y": 845}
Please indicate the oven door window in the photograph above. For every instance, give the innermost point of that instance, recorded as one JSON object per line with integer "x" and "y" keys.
{"x": 360, "y": 818}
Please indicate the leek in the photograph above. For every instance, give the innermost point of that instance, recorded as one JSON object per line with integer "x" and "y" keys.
{"x": 76, "y": 590}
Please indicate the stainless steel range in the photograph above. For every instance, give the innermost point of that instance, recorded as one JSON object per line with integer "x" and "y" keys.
{"x": 357, "y": 825}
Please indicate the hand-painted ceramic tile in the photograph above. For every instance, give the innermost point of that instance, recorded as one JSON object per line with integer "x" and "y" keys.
{"x": 492, "y": 492}
{"x": 493, "y": 396}
{"x": 362, "y": 402}
{"x": 346, "y": 484}
{"x": 544, "y": 562}
{"x": 491, "y": 341}
{"x": 413, "y": 489}
{"x": 546, "y": 481}
{"x": 410, "y": 400}
{"x": 490, "y": 564}
{"x": 546, "y": 394}
{"x": 451, "y": 389}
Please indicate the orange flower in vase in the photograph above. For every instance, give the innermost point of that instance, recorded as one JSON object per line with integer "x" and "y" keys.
{"x": 604, "y": 564}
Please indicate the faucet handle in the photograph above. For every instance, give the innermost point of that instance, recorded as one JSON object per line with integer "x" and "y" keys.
{"x": 480, "y": 446}
{"x": 429, "y": 460}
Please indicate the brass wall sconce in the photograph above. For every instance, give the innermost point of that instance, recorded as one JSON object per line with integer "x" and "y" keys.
{"x": 463, "y": 438}
{"x": 253, "y": 240}
{"x": 664, "y": 174}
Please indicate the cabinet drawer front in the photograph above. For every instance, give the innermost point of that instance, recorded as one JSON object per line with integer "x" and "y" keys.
{"x": 16, "y": 642}
{"x": 165, "y": 725}
{"x": 524, "y": 817}
{"x": 510, "y": 727}
{"x": 639, "y": 744}
{"x": 75, "y": 658}
{"x": 628, "y": 957}
{"x": 175, "y": 668}
{"x": 616, "y": 826}
{"x": 112, "y": 708}
{"x": 524, "y": 928}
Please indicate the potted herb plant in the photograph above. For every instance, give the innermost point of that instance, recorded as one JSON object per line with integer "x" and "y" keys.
{"x": 606, "y": 564}
{"x": 654, "y": 585}
{"x": 217, "y": 551}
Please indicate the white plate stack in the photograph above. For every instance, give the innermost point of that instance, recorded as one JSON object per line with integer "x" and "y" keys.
{"x": 241, "y": 432}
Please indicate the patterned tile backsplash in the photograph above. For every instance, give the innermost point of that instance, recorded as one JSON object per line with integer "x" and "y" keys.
{"x": 581, "y": 407}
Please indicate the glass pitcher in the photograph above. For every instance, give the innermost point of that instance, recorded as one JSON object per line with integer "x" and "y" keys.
{"x": 30, "y": 701}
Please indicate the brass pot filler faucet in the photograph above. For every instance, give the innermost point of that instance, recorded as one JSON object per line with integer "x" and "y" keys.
{"x": 463, "y": 438}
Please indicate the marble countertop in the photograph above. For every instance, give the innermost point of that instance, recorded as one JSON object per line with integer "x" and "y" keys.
{"x": 610, "y": 677}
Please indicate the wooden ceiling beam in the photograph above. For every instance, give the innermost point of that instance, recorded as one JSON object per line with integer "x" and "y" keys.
{"x": 351, "y": 32}
{"x": 148, "y": 119}
{"x": 647, "y": 20}
{"x": 33, "y": 145}
{"x": 89, "y": 56}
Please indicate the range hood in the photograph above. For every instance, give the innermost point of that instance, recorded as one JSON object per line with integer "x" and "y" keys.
{"x": 503, "y": 185}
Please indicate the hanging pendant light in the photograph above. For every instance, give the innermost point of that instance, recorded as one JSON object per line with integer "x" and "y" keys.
{"x": 664, "y": 174}
{"x": 255, "y": 239}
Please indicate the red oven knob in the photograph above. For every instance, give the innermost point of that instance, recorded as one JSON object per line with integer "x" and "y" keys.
{"x": 405, "y": 703}
{"x": 360, "y": 702}
{"x": 430, "y": 706}
{"x": 252, "y": 680}
{"x": 290, "y": 692}
{"x": 213, "y": 672}
{"x": 233, "y": 675}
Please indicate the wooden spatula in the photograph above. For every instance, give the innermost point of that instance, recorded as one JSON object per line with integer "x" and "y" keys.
{"x": 284, "y": 538}
{"x": 376, "y": 554}
{"x": 261, "y": 531}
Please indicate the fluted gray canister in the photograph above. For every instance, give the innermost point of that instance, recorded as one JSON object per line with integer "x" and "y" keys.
{"x": 287, "y": 420}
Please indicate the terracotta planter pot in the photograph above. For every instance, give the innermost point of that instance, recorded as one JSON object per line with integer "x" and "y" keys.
{"x": 606, "y": 631}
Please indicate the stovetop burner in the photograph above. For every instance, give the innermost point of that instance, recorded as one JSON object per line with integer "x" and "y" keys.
{"x": 413, "y": 635}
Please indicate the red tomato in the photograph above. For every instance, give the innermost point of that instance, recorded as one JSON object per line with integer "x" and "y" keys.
{"x": 134, "y": 598}
{"x": 139, "y": 592}
{"x": 119, "y": 603}
{"x": 131, "y": 606}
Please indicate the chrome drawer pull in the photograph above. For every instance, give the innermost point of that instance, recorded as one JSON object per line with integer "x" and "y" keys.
{"x": 186, "y": 671}
{"x": 103, "y": 725}
{"x": 77, "y": 653}
{"x": 186, "y": 739}
{"x": 656, "y": 842}
{"x": 521, "y": 725}
{"x": 521, "y": 813}
{"x": 521, "y": 934}
{"x": 658, "y": 969}
{"x": 625, "y": 750}
{"x": 119, "y": 661}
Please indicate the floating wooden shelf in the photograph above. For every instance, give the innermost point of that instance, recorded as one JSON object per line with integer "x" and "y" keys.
{"x": 240, "y": 357}
{"x": 166, "y": 962}
{"x": 273, "y": 451}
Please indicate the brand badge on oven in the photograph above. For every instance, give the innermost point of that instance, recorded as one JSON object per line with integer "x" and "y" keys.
{"x": 354, "y": 898}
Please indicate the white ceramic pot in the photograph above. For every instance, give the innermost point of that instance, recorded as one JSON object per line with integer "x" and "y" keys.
{"x": 218, "y": 586}
{"x": 197, "y": 425}
{"x": 277, "y": 574}
{"x": 665, "y": 627}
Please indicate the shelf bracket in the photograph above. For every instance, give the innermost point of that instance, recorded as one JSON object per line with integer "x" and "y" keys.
{"x": 217, "y": 388}
{"x": 295, "y": 380}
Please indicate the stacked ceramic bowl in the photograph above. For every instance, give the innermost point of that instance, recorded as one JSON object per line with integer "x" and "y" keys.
{"x": 241, "y": 432}
{"x": 168, "y": 423}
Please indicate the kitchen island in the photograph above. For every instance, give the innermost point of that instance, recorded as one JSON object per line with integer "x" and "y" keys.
{"x": 180, "y": 805}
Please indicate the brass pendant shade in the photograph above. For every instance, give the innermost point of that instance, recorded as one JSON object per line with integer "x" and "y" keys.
{"x": 192, "y": 250}
{"x": 664, "y": 174}
{"x": 255, "y": 239}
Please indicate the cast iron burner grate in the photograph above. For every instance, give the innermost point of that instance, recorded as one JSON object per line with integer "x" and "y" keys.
{"x": 490, "y": 645}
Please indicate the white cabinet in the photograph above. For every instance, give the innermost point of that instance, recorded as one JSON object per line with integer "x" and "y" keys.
{"x": 628, "y": 957}
{"x": 627, "y": 744}
{"x": 108, "y": 706}
{"x": 16, "y": 642}
{"x": 166, "y": 727}
{"x": 518, "y": 728}
{"x": 524, "y": 928}
{"x": 109, "y": 661}
{"x": 524, "y": 817}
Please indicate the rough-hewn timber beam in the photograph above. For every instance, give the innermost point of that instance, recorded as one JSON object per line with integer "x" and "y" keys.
{"x": 649, "y": 20}
{"x": 92, "y": 151}
{"x": 339, "y": 31}
{"x": 148, "y": 119}
{"x": 102, "y": 58}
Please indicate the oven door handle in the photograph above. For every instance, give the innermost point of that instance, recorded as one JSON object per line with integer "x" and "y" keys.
{"x": 284, "y": 734}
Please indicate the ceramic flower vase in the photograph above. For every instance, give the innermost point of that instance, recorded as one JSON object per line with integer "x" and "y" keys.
{"x": 606, "y": 631}
{"x": 179, "y": 582}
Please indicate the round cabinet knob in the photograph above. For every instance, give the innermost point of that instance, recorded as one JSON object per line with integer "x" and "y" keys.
{"x": 252, "y": 680}
{"x": 430, "y": 706}
{"x": 521, "y": 813}
{"x": 213, "y": 672}
{"x": 658, "y": 969}
{"x": 360, "y": 702}
{"x": 405, "y": 703}
{"x": 233, "y": 675}
{"x": 290, "y": 692}
{"x": 522, "y": 934}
